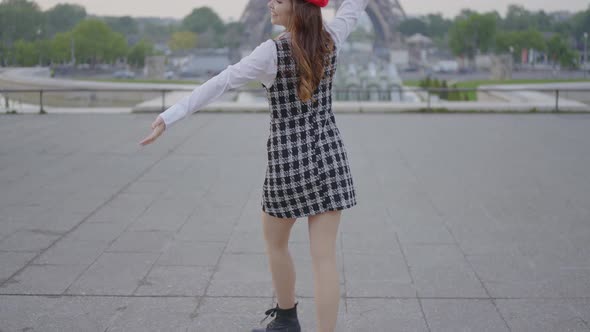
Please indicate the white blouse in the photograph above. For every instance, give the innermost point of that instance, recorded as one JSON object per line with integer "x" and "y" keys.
{"x": 260, "y": 65}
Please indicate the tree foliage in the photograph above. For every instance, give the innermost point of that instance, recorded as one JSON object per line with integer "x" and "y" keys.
{"x": 183, "y": 40}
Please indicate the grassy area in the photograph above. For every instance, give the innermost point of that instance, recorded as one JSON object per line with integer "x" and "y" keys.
{"x": 477, "y": 83}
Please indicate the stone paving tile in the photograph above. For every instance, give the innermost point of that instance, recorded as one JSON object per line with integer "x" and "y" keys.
{"x": 241, "y": 275}
{"x": 377, "y": 275}
{"x": 464, "y": 223}
{"x": 453, "y": 315}
{"x": 442, "y": 271}
{"x": 384, "y": 315}
{"x": 59, "y": 313}
{"x": 97, "y": 232}
{"x": 545, "y": 315}
{"x": 175, "y": 280}
{"x": 72, "y": 252}
{"x": 191, "y": 253}
{"x": 28, "y": 240}
{"x": 154, "y": 314}
{"x": 230, "y": 314}
{"x": 42, "y": 279}
{"x": 113, "y": 274}
{"x": 11, "y": 262}
{"x": 144, "y": 241}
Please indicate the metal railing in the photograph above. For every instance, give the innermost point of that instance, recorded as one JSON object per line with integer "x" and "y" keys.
{"x": 357, "y": 94}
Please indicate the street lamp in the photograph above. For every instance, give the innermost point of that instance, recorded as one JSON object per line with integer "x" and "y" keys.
{"x": 39, "y": 31}
{"x": 585, "y": 54}
{"x": 511, "y": 58}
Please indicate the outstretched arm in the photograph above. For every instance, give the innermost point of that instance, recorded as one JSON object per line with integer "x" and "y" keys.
{"x": 345, "y": 20}
{"x": 257, "y": 65}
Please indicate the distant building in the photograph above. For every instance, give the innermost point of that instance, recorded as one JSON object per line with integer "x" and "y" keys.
{"x": 418, "y": 46}
{"x": 200, "y": 62}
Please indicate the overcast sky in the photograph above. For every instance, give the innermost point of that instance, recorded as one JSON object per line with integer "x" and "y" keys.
{"x": 233, "y": 8}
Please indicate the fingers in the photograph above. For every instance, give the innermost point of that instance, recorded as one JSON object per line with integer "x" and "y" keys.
{"x": 152, "y": 137}
{"x": 148, "y": 140}
{"x": 158, "y": 127}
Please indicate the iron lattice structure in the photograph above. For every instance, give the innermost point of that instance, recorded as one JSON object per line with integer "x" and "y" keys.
{"x": 384, "y": 14}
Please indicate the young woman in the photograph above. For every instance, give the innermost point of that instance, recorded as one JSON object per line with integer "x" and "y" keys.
{"x": 308, "y": 173}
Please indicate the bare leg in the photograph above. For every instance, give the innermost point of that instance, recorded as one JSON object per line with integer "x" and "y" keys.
{"x": 323, "y": 231}
{"x": 276, "y": 235}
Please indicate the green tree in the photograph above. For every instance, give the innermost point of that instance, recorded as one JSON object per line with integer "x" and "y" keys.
{"x": 139, "y": 51}
{"x": 125, "y": 25}
{"x": 25, "y": 53}
{"x": 437, "y": 25}
{"x": 20, "y": 19}
{"x": 519, "y": 40}
{"x": 61, "y": 47}
{"x": 412, "y": 26}
{"x": 183, "y": 40}
{"x": 560, "y": 52}
{"x": 471, "y": 33}
{"x": 517, "y": 18}
{"x": 63, "y": 17}
{"x": 43, "y": 47}
{"x": 431, "y": 25}
{"x": 156, "y": 32}
{"x": 202, "y": 19}
{"x": 95, "y": 42}
{"x": 580, "y": 24}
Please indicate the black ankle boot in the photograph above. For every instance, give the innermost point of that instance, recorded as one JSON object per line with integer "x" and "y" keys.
{"x": 285, "y": 320}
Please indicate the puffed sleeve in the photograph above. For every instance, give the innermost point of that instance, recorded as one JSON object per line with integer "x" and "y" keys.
{"x": 345, "y": 20}
{"x": 259, "y": 65}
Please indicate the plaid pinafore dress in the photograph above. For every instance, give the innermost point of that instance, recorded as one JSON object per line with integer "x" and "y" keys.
{"x": 308, "y": 170}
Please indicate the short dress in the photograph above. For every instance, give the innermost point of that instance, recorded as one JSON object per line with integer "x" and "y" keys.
{"x": 308, "y": 171}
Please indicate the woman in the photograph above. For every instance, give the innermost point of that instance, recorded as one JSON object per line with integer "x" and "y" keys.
{"x": 308, "y": 173}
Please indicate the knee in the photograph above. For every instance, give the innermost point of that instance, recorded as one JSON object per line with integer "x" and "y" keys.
{"x": 323, "y": 254}
{"x": 277, "y": 247}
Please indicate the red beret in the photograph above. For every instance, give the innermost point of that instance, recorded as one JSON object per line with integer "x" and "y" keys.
{"x": 320, "y": 3}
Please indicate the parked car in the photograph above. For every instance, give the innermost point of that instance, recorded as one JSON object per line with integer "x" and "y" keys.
{"x": 169, "y": 75}
{"x": 124, "y": 74}
{"x": 411, "y": 69}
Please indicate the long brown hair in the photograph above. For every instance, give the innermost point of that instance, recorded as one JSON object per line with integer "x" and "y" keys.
{"x": 310, "y": 44}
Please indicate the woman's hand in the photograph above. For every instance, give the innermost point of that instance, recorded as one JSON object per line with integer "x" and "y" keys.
{"x": 158, "y": 127}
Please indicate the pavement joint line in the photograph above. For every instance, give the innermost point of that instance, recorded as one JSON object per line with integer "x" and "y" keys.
{"x": 143, "y": 279}
{"x": 405, "y": 258}
{"x": 93, "y": 212}
{"x": 503, "y": 262}
{"x": 169, "y": 152}
{"x": 195, "y": 313}
{"x": 176, "y": 233}
{"x": 456, "y": 243}
{"x": 399, "y": 244}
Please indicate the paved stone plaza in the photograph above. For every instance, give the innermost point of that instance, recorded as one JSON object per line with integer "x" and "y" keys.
{"x": 464, "y": 223}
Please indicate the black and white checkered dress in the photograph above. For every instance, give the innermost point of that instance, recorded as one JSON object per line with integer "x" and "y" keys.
{"x": 308, "y": 170}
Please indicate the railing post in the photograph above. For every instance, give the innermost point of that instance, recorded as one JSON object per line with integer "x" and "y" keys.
{"x": 163, "y": 100}
{"x": 556, "y": 100}
{"x": 41, "y": 110}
